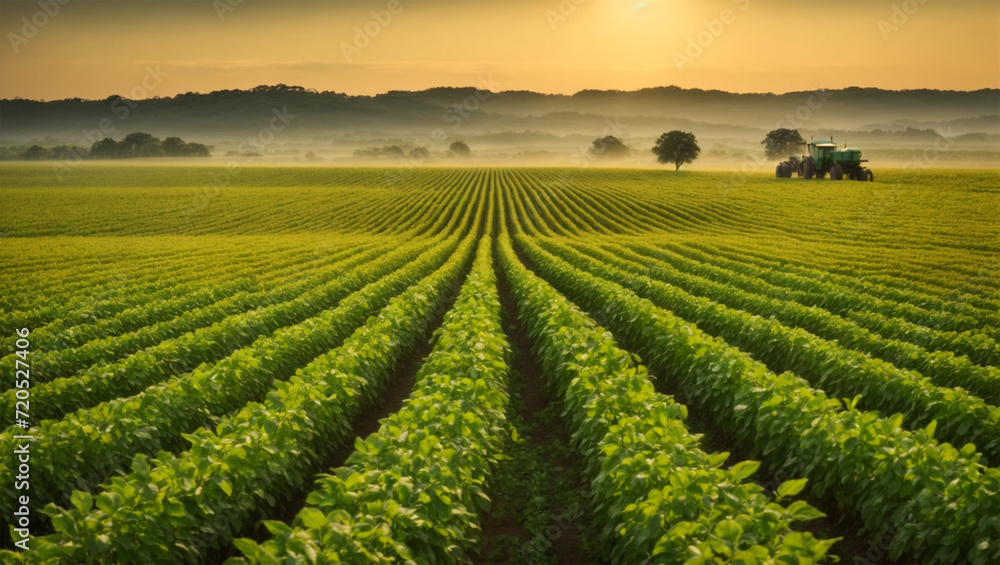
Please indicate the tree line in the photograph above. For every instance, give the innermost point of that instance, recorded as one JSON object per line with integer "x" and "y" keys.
{"x": 133, "y": 145}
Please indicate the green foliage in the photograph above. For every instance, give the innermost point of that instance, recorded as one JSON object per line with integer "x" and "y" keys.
{"x": 196, "y": 352}
{"x": 782, "y": 142}
{"x": 421, "y": 479}
{"x": 207, "y": 494}
{"x": 677, "y": 147}
{"x": 141, "y": 144}
{"x": 656, "y": 492}
{"x": 892, "y": 479}
{"x": 827, "y": 365}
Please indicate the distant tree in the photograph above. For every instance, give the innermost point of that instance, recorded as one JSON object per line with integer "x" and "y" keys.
{"x": 782, "y": 142}
{"x": 141, "y": 144}
{"x": 69, "y": 152}
{"x": 106, "y": 148}
{"x": 609, "y": 147}
{"x": 677, "y": 147}
{"x": 174, "y": 147}
{"x": 36, "y": 153}
{"x": 460, "y": 149}
{"x": 419, "y": 154}
{"x": 198, "y": 150}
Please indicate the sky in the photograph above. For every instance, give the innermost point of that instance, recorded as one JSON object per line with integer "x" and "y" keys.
{"x": 53, "y": 49}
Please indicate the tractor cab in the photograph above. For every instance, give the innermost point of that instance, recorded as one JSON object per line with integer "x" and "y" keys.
{"x": 820, "y": 150}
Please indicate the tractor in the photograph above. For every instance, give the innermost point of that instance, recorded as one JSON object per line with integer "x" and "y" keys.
{"x": 823, "y": 158}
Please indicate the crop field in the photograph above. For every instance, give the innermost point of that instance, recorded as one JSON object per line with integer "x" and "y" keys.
{"x": 498, "y": 365}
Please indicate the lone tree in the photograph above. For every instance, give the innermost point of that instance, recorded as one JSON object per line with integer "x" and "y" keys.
{"x": 677, "y": 147}
{"x": 460, "y": 149}
{"x": 780, "y": 142}
{"x": 609, "y": 147}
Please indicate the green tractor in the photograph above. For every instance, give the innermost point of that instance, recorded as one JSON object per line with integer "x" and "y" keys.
{"x": 823, "y": 158}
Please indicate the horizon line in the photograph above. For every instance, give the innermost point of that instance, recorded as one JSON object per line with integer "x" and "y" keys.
{"x": 298, "y": 88}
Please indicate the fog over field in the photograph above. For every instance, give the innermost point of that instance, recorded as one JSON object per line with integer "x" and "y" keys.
{"x": 291, "y": 124}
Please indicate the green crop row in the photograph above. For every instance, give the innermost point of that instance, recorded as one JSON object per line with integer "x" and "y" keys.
{"x": 942, "y": 368}
{"x": 159, "y": 306}
{"x": 155, "y": 364}
{"x": 659, "y": 497}
{"x": 87, "y": 446}
{"x": 870, "y": 275}
{"x": 840, "y": 299}
{"x": 179, "y": 508}
{"x": 69, "y": 303}
{"x": 50, "y": 365}
{"x": 979, "y": 348}
{"x": 219, "y": 282}
{"x": 901, "y": 484}
{"x": 413, "y": 491}
{"x": 827, "y": 365}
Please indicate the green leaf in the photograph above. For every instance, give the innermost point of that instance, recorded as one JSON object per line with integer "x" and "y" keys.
{"x": 82, "y": 501}
{"x": 745, "y": 469}
{"x": 174, "y": 508}
{"x": 246, "y": 546}
{"x": 729, "y": 530}
{"x": 312, "y": 518}
{"x": 931, "y": 428}
{"x": 226, "y": 487}
{"x": 801, "y": 511}
{"x": 791, "y": 488}
{"x": 277, "y": 527}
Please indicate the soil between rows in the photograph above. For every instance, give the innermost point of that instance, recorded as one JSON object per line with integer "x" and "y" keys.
{"x": 547, "y": 450}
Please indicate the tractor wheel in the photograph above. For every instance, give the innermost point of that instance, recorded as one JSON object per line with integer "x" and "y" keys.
{"x": 859, "y": 174}
{"x": 836, "y": 172}
{"x": 786, "y": 170}
{"x": 808, "y": 168}
{"x": 869, "y": 175}
{"x": 777, "y": 171}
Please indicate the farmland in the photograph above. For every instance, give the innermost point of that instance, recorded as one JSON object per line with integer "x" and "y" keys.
{"x": 289, "y": 365}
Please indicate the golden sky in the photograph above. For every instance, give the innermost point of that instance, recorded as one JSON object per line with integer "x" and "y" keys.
{"x": 140, "y": 48}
